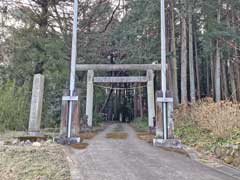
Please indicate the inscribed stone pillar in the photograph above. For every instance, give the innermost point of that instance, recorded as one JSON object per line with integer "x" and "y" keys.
{"x": 151, "y": 99}
{"x": 89, "y": 101}
{"x": 75, "y": 115}
{"x": 36, "y": 105}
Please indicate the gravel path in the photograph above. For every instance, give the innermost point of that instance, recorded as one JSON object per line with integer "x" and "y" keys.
{"x": 133, "y": 159}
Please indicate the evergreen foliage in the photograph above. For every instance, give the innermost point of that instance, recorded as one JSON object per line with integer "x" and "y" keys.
{"x": 41, "y": 33}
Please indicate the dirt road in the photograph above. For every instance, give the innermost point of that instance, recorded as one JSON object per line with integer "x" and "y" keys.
{"x": 133, "y": 159}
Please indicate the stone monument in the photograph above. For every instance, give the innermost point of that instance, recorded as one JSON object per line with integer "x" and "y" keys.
{"x": 36, "y": 105}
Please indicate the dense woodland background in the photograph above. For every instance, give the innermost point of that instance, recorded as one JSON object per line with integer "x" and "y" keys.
{"x": 202, "y": 43}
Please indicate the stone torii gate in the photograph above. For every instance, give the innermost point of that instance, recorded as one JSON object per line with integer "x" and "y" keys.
{"x": 148, "y": 79}
{"x": 91, "y": 79}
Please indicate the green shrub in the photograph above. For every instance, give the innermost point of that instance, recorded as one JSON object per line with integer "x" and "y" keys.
{"x": 141, "y": 123}
{"x": 98, "y": 119}
{"x": 14, "y": 107}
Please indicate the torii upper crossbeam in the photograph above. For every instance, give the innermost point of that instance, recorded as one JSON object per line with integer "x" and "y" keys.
{"x": 118, "y": 67}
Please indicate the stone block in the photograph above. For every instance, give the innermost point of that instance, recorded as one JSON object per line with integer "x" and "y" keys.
{"x": 169, "y": 143}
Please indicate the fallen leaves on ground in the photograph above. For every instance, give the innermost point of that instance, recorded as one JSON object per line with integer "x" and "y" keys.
{"x": 117, "y": 135}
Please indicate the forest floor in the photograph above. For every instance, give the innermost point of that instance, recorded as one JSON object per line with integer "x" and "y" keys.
{"x": 118, "y": 154}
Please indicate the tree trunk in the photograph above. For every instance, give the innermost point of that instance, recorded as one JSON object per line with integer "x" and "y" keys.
{"x": 141, "y": 102}
{"x": 197, "y": 62}
{"x": 106, "y": 101}
{"x": 208, "y": 83}
{"x": 43, "y": 23}
{"x": 184, "y": 98}
{"x": 218, "y": 61}
{"x": 168, "y": 50}
{"x": 237, "y": 70}
{"x": 224, "y": 81}
{"x": 191, "y": 61}
{"x": 212, "y": 68}
{"x": 174, "y": 56}
{"x": 235, "y": 82}
{"x": 232, "y": 80}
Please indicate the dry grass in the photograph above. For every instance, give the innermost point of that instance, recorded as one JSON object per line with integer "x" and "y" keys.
{"x": 117, "y": 135}
{"x": 30, "y": 163}
{"x": 221, "y": 119}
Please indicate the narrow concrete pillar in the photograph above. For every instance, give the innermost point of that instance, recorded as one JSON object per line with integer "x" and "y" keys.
{"x": 36, "y": 105}
{"x": 89, "y": 101}
{"x": 151, "y": 99}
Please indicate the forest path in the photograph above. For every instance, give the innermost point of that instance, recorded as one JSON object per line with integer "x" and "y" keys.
{"x": 133, "y": 159}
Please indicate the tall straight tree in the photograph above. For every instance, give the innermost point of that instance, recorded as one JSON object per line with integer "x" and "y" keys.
{"x": 197, "y": 64}
{"x": 212, "y": 64}
{"x": 190, "y": 45}
{"x": 234, "y": 64}
{"x": 218, "y": 60}
{"x": 184, "y": 99}
{"x": 174, "y": 54}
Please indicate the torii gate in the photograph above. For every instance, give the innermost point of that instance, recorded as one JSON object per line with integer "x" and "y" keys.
{"x": 91, "y": 79}
{"x": 149, "y": 79}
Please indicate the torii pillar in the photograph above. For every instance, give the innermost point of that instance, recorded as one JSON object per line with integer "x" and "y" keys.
{"x": 151, "y": 98}
{"x": 89, "y": 101}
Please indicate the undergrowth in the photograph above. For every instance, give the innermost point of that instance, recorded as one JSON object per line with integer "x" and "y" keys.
{"x": 207, "y": 124}
{"x": 141, "y": 124}
{"x": 14, "y": 107}
{"x": 98, "y": 119}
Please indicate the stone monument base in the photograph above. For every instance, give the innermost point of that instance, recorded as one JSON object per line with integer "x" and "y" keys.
{"x": 36, "y": 133}
{"x": 169, "y": 143}
{"x": 71, "y": 140}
